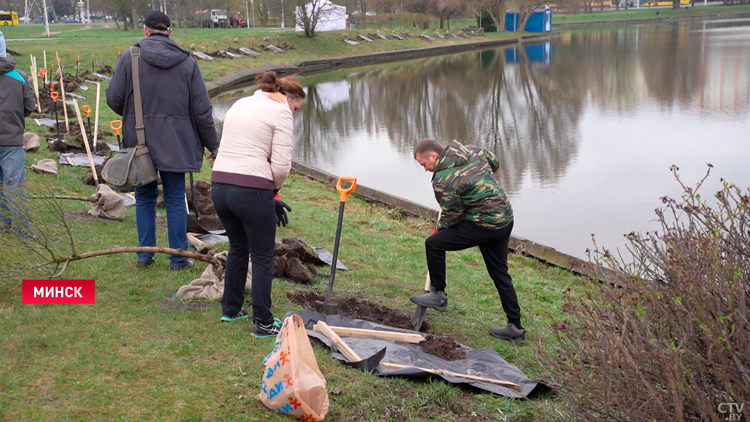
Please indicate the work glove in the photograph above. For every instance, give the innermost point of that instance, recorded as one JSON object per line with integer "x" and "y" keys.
{"x": 281, "y": 218}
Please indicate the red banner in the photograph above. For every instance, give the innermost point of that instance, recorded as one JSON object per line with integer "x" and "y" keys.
{"x": 58, "y": 292}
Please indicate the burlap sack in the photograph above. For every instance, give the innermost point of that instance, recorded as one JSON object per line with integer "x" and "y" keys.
{"x": 30, "y": 142}
{"x": 45, "y": 165}
{"x": 210, "y": 285}
{"x": 108, "y": 204}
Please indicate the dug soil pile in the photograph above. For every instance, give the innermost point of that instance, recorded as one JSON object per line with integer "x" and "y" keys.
{"x": 206, "y": 212}
{"x": 294, "y": 262}
{"x": 359, "y": 309}
{"x": 74, "y": 140}
{"x": 442, "y": 347}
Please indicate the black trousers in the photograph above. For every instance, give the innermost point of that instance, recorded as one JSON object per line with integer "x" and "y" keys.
{"x": 249, "y": 217}
{"x": 493, "y": 243}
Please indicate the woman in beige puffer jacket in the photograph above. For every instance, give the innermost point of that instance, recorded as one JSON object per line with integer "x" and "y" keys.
{"x": 254, "y": 160}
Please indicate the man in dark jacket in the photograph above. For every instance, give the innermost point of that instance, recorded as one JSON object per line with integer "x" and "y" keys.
{"x": 16, "y": 102}
{"x": 475, "y": 212}
{"x": 178, "y": 124}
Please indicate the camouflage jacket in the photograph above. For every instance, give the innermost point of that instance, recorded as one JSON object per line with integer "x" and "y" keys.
{"x": 466, "y": 188}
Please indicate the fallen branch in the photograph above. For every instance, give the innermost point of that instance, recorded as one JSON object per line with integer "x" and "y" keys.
{"x": 75, "y": 198}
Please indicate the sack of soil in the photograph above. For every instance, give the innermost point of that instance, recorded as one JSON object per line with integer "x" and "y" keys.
{"x": 292, "y": 382}
{"x": 30, "y": 142}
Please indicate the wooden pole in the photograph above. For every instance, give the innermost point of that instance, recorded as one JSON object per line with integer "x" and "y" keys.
{"x": 323, "y": 328}
{"x": 86, "y": 142}
{"x": 506, "y": 384}
{"x": 393, "y": 335}
{"x": 65, "y": 105}
{"x": 36, "y": 84}
{"x": 45, "y": 67}
{"x": 96, "y": 114}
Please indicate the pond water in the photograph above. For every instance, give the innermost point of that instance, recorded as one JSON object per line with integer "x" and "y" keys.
{"x": 585, "y": 127}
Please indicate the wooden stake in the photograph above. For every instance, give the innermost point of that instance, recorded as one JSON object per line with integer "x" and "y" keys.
{"x": 65, "y": 105}
{"x": 323, "y": 328}
{"x": 86, "y": 142}
{"x": 506, "y": 384}
{"x": 96, "y": 114}
{"x": 45, "y": 67}
{"x": 393, "y": 335}
{"x": 36, "y": 84}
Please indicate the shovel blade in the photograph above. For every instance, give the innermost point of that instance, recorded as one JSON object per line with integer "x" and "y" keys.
{"x": 326, "y": 308}
{"x": 370, "y": 364}
{"x": 418, "y": 318}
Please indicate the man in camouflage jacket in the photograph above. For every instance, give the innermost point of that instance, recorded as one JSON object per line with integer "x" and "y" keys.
{"x": 475, "y": 212}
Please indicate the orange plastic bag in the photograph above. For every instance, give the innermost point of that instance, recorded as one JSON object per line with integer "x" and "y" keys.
{"x": 292, "y": 382}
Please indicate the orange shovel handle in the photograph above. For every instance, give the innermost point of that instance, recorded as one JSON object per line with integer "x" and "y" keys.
{"x": 116, "y": 125}
{"x": 87, "y": 109}
{"x": 345, "y": 192}
{"x": 54, "y": 96}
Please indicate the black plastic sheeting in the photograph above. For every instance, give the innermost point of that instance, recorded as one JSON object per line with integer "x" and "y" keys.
{"x": 485, "y": 363}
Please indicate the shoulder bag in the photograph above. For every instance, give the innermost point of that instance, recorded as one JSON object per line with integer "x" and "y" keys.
{"x": 132, "y": 168}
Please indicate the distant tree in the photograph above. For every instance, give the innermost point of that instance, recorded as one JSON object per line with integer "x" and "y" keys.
{"x": 446, "y": 9}
{"x": 525, "y": 8}
{"x": 309, "y": 13}
{"x": 494, "y": 9}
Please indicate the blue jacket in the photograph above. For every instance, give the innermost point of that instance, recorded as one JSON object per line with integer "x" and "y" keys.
{"x": 177, "y": 112}
{"x": 16, "y": 102}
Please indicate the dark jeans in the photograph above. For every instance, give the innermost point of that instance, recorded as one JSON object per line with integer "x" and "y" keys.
{"x": 249, "y": 217}
{"x": 13, "y": 211}
{"x": 173, "y": 190}
{"x": 493, "y": 243}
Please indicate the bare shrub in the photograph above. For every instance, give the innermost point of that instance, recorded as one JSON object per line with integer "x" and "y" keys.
{"x": 671, "y": 342}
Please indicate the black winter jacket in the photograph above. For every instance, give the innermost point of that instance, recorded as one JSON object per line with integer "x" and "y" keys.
{"x": 177, "y": 112}
{"x": 16, "y": 102}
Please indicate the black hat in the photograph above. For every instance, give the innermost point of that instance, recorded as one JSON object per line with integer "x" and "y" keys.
{"x": 157, "y": 20}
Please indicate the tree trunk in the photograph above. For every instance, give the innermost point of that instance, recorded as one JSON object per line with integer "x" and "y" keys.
{"x": 135, "y": 18}
{"x": 441, "y": 23}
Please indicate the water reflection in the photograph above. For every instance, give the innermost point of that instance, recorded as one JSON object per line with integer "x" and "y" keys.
{"x": 528, "y": 117}
{"x": 585, "y": 127}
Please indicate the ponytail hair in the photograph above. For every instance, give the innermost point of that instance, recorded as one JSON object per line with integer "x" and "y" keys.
{"x": 268, "y": 81}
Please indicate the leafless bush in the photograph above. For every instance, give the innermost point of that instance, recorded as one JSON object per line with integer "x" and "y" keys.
{"x": 671, "y": 342}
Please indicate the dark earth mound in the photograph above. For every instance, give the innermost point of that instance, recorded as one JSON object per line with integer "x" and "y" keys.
{"x": 442, "y": 347}
{"x": 359, "y": 308}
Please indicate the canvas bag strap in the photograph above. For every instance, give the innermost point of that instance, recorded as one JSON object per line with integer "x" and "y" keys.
{"x": 135, "y": 55}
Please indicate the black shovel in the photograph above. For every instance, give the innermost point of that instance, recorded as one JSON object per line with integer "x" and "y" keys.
{"x": 418, "y": 317}
{"x": 326, "y": 307}
{"x": 193, "y": 226}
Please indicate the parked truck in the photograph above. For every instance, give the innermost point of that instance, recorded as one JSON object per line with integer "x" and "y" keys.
{"x": 214, "y": 18}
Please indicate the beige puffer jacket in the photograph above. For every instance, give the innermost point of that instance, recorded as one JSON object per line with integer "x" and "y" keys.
{"x": 256, "y": 144}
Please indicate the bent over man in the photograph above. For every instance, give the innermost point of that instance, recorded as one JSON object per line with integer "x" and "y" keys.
{"x": 475, "y": 212}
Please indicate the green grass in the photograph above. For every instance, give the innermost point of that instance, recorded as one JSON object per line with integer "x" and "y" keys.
{"x": 648, "y": 13}
{"x": 131, "y": 358}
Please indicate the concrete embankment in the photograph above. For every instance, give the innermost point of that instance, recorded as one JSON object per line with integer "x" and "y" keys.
{"x": 247, "y": 76}
{"x": 519, "y": 245}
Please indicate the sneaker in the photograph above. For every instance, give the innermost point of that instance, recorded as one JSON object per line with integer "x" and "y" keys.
{"x": 510, "y": 333}
{"x": 434, "y": 300}
{"x": 262, "y": 331}
{"x": 242, "y": 314}
{"x": 190, "y": 264}
{"x": 145, "y": 262}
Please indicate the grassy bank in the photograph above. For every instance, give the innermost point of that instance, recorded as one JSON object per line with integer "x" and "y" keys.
{"x": 648, "y": 13}
{"x": 139, "y": 355}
